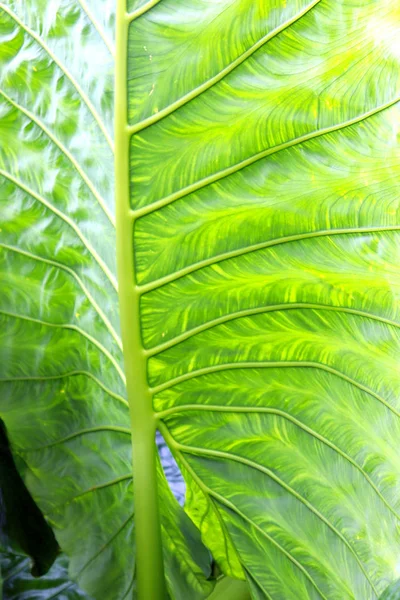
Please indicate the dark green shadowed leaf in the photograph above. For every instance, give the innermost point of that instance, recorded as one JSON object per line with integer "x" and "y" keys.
{"x": 21, "y": 520}
{"x": 18, "y": 583}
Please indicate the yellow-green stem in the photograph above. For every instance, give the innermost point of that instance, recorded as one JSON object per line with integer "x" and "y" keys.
{"x": 149, "y": 560}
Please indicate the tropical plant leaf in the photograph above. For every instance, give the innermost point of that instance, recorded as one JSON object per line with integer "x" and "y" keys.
{"x": 263, "y": 166}
{"x": 257, "y": 174}
{"x": 62, "y": 392}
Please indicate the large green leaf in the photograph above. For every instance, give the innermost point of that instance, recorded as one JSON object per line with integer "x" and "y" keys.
{"x": 62, "y": 389}
{"x": 264, "y": 176}
{"x": 257, "y": 232}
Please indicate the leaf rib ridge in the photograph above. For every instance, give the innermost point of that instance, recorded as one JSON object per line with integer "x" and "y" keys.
{"x": 100, "y": 486}
{"x": 209, "y": 83}
{"x": 78, "y": 330}
{"x": 105, "y": 546}
{"x": 75, "y": 434}
{"x": 66, "y": 153}
{"x": 284, "y": 415}
{"x": 141, "y": 10}
{"x": 205, "y": 181}
{"x": 182, "y": 557}
{"x": 236, "y": 458}
{"x": 270, "y": 364}
{"x": 68, "y": 221}
{"x": 209, "y": 492}
{"x": 261, "y": 310}
{"x": 83, "y": 4}
{"x": 63, "y": 68}
{"x": 160, "y": 282}
{"x": 232, "y": 507}
{"x": 74, "y": 275}
{"x": 130, "y": 587}
{"x": 250, "y": 575}
{"x": 65, "y": 376}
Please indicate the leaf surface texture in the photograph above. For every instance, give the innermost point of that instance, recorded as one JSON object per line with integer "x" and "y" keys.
{"x": 264, "y": 175}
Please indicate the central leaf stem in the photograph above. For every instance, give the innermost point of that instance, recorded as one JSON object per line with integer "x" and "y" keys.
{"x": 149, "y": 560}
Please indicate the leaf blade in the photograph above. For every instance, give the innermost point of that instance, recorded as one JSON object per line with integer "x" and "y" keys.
{"x": 266, "y": 249}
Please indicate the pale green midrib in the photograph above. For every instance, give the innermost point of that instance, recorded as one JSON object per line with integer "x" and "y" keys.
{"x": 209, "y": 83}
{"x": 65, "y": 376}
{"x": 157, "y": 283}
{"x": 76, "y": 434}
{"x": 63, "y": 68}
{"x": 75, "y": 328}
{"x": 96, "y": 257}
{"x": 236, "y": 458}
{"x": 97, "y": 26}
{"x": 274, "y": 411}
{"x": 201, "y": 183}
{"x": 66, "y": 152}
{"x": 210, "y": 493}
{"x": 149, "y": 566}
{"x": 72, "y": 273}
{"x": 141, "y": 10}
{"x": 100, "y": 486}
{"x": 154, "y": 350}
{"x": 265, "y": 365}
